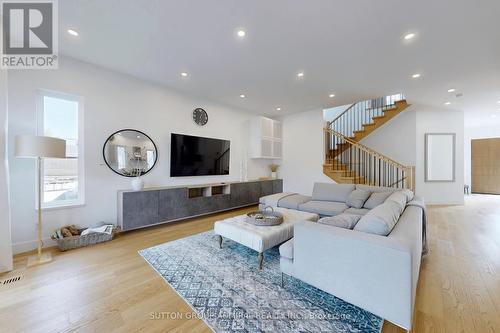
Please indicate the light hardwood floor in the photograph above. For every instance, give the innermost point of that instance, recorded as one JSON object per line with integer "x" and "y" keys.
{"x": 110, "y": 288}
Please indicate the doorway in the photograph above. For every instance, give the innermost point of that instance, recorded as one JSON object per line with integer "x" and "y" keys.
{"x": 485, "y": 166}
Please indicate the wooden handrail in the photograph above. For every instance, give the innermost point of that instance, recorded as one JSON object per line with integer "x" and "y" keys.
{"x": 367, "y": 149}
{"x": 340, "y": 115}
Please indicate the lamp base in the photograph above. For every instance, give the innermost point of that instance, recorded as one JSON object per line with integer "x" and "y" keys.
{"x": 39, "y": 259}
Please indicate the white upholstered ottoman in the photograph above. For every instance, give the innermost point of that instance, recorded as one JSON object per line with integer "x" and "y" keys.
{"x": 261, "y": 238}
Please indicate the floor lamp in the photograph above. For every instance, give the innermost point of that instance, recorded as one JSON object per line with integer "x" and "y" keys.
{"x": 39, "y": 147}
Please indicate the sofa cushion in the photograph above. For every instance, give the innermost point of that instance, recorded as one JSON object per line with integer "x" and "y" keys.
{"x": 356, "y": 211}
{"x": 293, "y": 201}
{"x": 286, "y": 249}
{"x": 324, "y": 208}
{"x": 357, "y": 198}
{"x": 346, "y": 221}
{"x": 399, "y": 198}
{"x": 375, "y": 199}
{"x": 332, "y": 192}
{"x": 380, "y": 220}
{"x": 375, "y": 189}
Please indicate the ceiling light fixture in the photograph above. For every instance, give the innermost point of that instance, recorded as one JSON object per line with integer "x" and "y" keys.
{"x": 73, "y": 32}
{"x": 278, "y": 109}
{"x": 498, "y": 102}
{"x": 447, "y": 103}
{"x": 451, "y": 90}
{"x": 138, "y": 137}
{"x": 416, "y": 76}
{"x": 241, "y": 33}
{"x": 409, "y": 36}
{"x": 493, "y": 116}
{"x": 184, "y": 74}
{"x": 242, "y": 96}
{"x": 300, "y": 74}
{"x": 331, "y": 95}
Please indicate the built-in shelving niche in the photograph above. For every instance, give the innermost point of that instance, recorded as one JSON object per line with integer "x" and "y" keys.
{"x": 208, "y": 190}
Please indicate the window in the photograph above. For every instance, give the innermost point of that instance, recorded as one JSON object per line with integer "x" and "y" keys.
{"x": 61, "y": 116}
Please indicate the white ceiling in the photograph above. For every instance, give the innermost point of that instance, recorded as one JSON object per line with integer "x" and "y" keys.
{"x": 353, "y": 49}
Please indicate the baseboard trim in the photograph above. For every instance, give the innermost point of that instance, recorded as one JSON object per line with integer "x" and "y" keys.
{"x": 27, "y": 246}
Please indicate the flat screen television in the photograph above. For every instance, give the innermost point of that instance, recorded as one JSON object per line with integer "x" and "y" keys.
{"x": 197, "y": 156}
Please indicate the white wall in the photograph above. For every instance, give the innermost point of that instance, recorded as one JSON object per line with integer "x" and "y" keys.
{"x": 112, "y": 101}
{"x": 471, "y": 133}
{"x": 434, "y": 120}
{"x": 397, "y": 139}
{"x": 332, "y": 113}
{"x": 303, "y": 153}
{"x": 5, "y": 234}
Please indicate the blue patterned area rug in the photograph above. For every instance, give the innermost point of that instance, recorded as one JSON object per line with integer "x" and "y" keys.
{"x": 229, "y": 292}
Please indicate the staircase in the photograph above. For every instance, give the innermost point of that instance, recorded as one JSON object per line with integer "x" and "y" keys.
{"x": 348, "y": 161}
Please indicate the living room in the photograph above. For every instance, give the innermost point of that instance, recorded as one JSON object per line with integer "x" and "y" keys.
{"x": 223, "y": 167}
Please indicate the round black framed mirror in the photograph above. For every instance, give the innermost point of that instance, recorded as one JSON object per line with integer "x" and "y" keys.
{"x": 130, "y": 153}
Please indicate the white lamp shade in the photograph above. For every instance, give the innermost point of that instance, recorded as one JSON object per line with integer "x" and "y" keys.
{"x": 40, "y": 146}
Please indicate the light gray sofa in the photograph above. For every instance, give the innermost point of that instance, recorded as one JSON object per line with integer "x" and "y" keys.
{"x": 377, "y": 273}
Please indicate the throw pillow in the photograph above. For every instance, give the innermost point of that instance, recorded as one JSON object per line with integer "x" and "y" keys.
{"x": 357, "y": 198}
{"x": 346, "y": 221}
{"x": 380, "y": 220}
{"x": 409, "y": 195}
{"x": 376, "y": 198}
{"x": 399, "y": 198}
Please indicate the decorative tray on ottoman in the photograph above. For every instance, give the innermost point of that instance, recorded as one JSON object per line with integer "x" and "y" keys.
{"x": 265, "y": 217}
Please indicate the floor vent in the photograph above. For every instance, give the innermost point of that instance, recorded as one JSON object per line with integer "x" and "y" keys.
{"x": 11, "y": 280}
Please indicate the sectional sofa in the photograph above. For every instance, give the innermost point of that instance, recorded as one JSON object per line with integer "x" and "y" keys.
{"x": 366, "y": 249}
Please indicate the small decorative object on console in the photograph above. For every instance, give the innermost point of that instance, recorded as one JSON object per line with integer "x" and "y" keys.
{"x": 274, "y": 170}
{"x": 265, "y": 217}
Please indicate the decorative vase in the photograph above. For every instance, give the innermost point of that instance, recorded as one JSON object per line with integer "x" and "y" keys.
{"x": 137, "y": 184}
{"x": 274, "y": 175}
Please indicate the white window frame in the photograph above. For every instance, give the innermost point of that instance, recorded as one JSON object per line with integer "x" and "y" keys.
{"x": 81, "y": 156}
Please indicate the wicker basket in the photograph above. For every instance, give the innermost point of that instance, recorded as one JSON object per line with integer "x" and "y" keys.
{"x": 265, "y": 217}
{"x": 74, "y": 242}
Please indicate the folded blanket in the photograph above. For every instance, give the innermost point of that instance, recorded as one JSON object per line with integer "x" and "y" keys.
{"x": 419, "y": 202}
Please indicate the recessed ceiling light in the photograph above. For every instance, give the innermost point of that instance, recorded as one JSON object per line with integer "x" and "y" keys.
{"x": 278, "y": 109}
{"x": 493, "y": 116}
{"x": 331, "y": 95}
{"x": 241, "y": 33}
{"x": 184, "y": 74}
{"x": 300, "y": 74}
{"x": 242, "y": 96}
{"x": 409, "y": 36}
{"x": 498, "y": 102}
{"x": 416, "y": 75}
{"x": 447, "y": 103}
{"x": 72, "y": 32}
{"x": 138, "y": 137}
{"x": 451, "y": 90}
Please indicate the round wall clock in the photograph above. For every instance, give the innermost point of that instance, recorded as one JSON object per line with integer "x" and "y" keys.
{"x": 200, "y": 116}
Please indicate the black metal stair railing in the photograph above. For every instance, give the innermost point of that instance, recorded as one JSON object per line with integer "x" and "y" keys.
{"x": 358, "y": 164}
{"x": 361, "y": 113}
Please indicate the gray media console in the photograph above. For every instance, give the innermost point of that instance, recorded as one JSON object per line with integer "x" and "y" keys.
{"x": 160, "y": 205}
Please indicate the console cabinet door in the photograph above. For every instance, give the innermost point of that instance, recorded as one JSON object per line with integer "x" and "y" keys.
{"x": 277, "y": 185}
{"x": 266, "y": 187}
{"x": 253, "y": 192}
{"x": 173, "y": 204}
{"x": 140, "y": 209}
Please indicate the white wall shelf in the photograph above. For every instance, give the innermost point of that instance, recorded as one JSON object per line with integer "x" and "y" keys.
{"x": 265, "y": 138}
